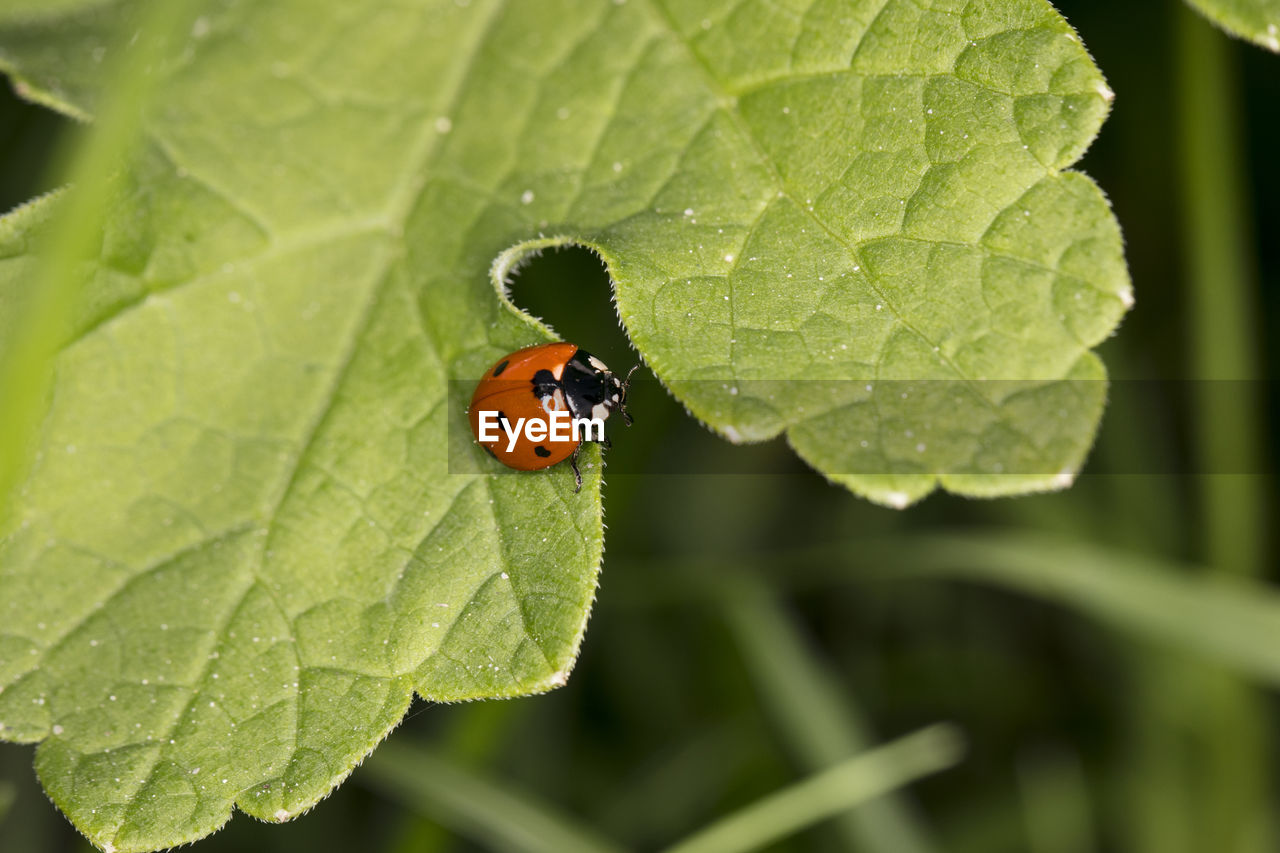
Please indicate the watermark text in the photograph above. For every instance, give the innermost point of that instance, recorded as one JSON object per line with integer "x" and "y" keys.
{"x": 561, "y": 427}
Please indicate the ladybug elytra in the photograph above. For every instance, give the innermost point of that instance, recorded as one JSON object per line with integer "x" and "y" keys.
{"x": 533, "y": 406}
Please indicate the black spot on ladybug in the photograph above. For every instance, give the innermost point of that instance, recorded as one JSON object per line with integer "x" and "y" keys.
{"x": 502, "y": 419}
{"x": 497, "y": 371}
{"x": 542, "y": 451}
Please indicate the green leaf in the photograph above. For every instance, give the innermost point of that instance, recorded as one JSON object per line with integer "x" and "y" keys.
{"x": 17, "y": 264}
{"x": 1255, "y": 20}
{"x": 256, "y": 524}
{"x": 922, "y": 229}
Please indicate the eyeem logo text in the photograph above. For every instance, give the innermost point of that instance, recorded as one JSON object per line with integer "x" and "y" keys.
{"x": 537, "y": 430}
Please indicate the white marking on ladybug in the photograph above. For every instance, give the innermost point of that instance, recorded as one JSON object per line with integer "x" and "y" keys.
{"x": 599, "y": 411}
{"x": 597, "y": 364}
{"x": 553, "y": 402}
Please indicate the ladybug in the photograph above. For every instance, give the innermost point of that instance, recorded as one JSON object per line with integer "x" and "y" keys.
{"x": 523, "y": 393}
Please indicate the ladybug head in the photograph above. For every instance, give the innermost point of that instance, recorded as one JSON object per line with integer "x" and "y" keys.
{"x": 591, "y": 389}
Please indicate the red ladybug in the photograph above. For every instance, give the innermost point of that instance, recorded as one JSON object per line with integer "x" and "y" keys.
{"x": 527, "y": 394}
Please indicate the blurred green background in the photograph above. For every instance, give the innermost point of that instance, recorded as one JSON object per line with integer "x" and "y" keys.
{"x": 755, "y": 624}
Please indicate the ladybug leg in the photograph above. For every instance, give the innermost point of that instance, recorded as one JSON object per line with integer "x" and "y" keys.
{"x": 626, "y": 386}
{"x": 577, "y": 475}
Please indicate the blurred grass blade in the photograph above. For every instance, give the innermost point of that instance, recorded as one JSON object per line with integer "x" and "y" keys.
{"x": 75, "y": 235}
{"x": 680, "y": 785}
{"x": 473, "y": 737}
{"x": 827, "y": 794}
{"x": 8, "y": 793}
{"x": 1231, "y": 621}
{"x": 818, "y": 723}
{"x": 1231, "y": 772}
{"x": 489, "y": 814}
{"x": 1056, "y": 808}
{"x": 1219, "y": 251}
{"x": 1234, "y": 622}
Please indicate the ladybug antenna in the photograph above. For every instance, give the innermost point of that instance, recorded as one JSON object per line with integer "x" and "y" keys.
{"x": 622, "y": 404}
